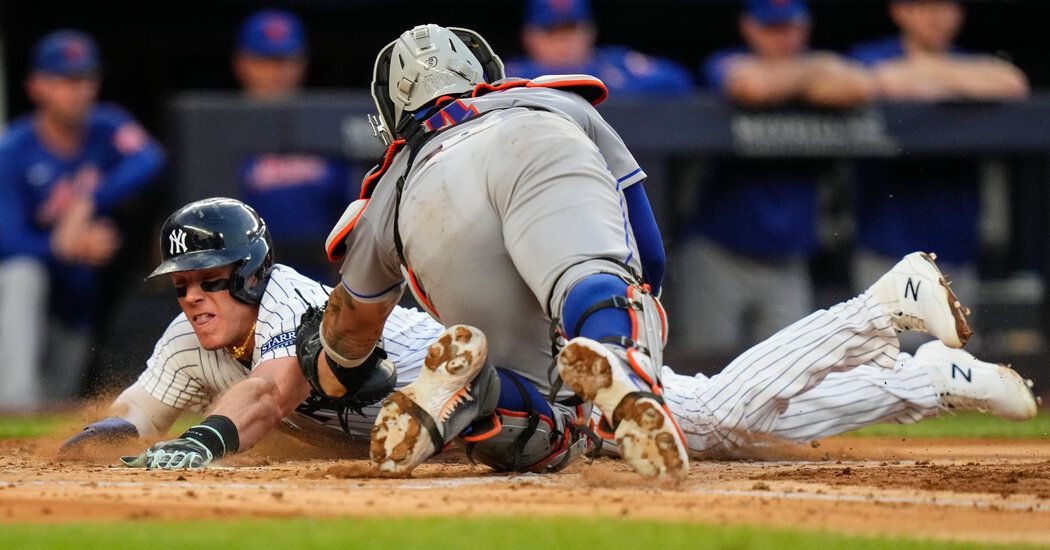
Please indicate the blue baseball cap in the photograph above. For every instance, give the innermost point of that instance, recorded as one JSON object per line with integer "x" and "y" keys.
{"x": 66, "y": 53}
{"x": 777, "y": 12}
{"x": 272, "y": 33}
{"x": 551, "y": 13}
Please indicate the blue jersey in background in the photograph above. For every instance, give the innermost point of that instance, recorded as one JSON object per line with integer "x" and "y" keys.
{"x": 910, "y": 204}
{"x": 117, "y": 160}
{"x": 300, "y": 196}
{"x": 764, "y": 208}
{"x": 621, "y": 69}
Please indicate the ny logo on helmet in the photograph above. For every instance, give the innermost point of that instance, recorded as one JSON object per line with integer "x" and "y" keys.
{"x": 177, "y": 242}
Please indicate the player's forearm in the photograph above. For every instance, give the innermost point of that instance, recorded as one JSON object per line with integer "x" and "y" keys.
{"x": 984, "y": 78}
{"x": 759, "y": 84}
{"x": 150, "y": 416}
{"x": 833, "y": 82}
{"x": 131, "y": 175}
{"x": 257, "y": 405}
{"x": 351, "y": 328}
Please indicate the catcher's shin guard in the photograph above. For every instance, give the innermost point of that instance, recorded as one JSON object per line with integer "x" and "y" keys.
{"x": 455, "y": 388}
{"x": 642, "y": 348}
{"x": 620, "y": 373}
{"x": 532, "y": 436}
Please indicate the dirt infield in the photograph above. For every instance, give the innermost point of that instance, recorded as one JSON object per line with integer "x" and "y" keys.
{"x": 956, "y": 489}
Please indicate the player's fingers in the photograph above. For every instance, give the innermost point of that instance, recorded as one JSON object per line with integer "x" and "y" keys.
{"x": 135, "y": 461}
{"x": 159, "y": 460}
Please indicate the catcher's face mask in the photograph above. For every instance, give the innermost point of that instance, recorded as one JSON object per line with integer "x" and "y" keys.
{"x": 423, "y": 64}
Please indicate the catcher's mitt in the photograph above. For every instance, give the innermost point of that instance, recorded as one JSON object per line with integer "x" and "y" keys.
{"x": 365, "y": 384}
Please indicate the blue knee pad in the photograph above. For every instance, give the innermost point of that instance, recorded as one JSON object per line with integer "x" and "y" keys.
{"x": 514, "y": 389}
{"x": 601, "y": 323}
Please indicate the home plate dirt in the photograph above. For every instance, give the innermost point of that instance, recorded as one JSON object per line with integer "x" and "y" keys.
{"x": 987, "y": 490}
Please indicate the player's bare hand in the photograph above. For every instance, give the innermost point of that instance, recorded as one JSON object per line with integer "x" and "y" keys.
{"x": 99, "y": 242}
{"x": 176, "y": 454}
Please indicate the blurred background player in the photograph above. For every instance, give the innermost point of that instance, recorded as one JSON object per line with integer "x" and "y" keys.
{"x": 65, "y": 170}
{"x": 270, "y": 65}
{"x": 559, "y": 37}
{"x": 926, "y": 203}
{"x": 744, "y": 266}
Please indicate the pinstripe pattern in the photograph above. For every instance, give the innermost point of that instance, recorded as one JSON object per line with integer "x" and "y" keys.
{"x": 181, "y": 374}
{"x": 793, "y": 385}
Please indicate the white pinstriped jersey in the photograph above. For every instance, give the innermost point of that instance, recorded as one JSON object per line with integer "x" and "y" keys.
{"x": 183, "y": 375}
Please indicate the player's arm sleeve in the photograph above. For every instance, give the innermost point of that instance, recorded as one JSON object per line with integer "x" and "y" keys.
{"x": 716, "y": 70}
{"x": 371, "y": 271}
{"x": 151, "y": 417}
{"x": 18, "y": 237}
{"x": 170, "y": 376}
{"x": 140, "y": 161}
{"x": 647, "y": 236}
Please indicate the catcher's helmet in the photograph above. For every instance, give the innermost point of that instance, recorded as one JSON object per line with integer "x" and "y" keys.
{"x": 216, "y": 232}
{"x": 425, "y": 63}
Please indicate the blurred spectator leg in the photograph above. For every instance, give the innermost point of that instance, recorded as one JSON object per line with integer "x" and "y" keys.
{"x": 23, "y": 313}
{"x": 68, "y": 353}
{"x": 868, "y": 266}
{"x": 784, "y": 295}
{"x": 711, "y": 296}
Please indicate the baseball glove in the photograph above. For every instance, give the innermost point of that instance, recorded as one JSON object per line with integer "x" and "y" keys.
{"x": 366, "y": 384}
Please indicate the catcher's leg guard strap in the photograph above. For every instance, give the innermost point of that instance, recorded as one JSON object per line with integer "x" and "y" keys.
{"x": 609, "y": 310}
{"x": 524, "y": 433}
{"x": 596, "y": 307}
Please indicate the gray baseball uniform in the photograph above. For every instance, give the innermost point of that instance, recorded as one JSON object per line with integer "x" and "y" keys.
{"x": 494, "y": 213}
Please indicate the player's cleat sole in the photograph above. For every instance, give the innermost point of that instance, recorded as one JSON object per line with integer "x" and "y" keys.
{"x": 964, "y": 382}
{"x": 646, "y": 435}
{"x": 917, "y": 297}
{"x": 401, "y": 438}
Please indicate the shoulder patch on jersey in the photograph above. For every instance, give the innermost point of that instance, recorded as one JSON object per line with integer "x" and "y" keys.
{"x": 282, "y": 340}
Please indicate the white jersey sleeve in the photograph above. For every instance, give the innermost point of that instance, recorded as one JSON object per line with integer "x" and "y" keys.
{"x": 173, "y": 371}
{"x": 287, "y": 296}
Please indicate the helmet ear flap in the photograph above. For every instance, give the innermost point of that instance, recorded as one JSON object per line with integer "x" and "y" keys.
{"x": 490, "y": 62}
{"x": 384, "y": 127}
{"x": 248, "y": 279}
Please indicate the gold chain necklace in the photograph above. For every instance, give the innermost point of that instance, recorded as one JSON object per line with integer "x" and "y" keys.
{"x": 240, "y": 352}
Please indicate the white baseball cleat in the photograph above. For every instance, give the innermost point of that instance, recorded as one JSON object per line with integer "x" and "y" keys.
{"x": 647, "y": 437}
{"x": 415, "y": 422}
{"x": 917, "y": 297}
{"x": 964, "y": 382}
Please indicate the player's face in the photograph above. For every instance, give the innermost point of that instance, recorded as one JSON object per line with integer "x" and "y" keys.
{"x": 215, "y": 316}
{"x": 562, "y": 46}
{"x": 780, "y": 41}
{"x": 931, "y": 24}
{"x": 68, "y": 99}
{"x": 269, "y": 78}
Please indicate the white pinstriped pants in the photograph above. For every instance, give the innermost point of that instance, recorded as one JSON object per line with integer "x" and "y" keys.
{"x": 833, "y": 371}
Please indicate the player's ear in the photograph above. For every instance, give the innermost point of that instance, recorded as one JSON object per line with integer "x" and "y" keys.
{"x": 237, "y": 64}
{"x": 32, "y": 87}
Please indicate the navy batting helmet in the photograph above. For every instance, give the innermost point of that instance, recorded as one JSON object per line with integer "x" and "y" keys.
{"x": 216, "y": 232}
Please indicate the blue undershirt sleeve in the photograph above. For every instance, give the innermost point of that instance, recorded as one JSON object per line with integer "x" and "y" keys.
{"x": 646, "y": 235}
{"x": 132, "y": 174}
